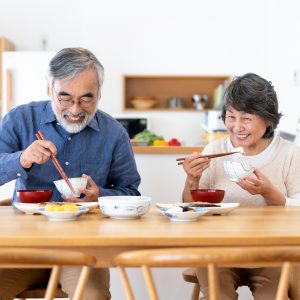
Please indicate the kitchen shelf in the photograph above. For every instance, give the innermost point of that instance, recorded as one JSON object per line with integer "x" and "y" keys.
{"x": 165, "y": 149}
{"x": 163, "y": 87}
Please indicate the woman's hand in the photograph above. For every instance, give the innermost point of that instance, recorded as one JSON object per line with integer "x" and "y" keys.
{"x": 194, "y": 165}
{"x": 91, "y": 192}
{"x": 261, "y": 185}
{"x": 38, "y": 152}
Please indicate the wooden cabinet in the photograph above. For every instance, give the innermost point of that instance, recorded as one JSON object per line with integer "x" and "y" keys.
{"x": 5, "y": 45}
{"x": 162, "y": 88}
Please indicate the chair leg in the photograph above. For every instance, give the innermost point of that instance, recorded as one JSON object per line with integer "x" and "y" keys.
{"x": 53, "y": 283}
{"x": 196, "y": 292}
{"x": 125, "y": 281}
{"x": 150, "y": 283}
{"x": 284, "y": 281}
{"x": 82, "y": 281}
{"x": 212, "y": 282}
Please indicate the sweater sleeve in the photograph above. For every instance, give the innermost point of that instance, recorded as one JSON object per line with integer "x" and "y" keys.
{"x": 293, "y": 179}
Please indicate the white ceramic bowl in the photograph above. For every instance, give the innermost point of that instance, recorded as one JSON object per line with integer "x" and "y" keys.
{"x": 77, "y": 182}
{"x": 236, "y": 170}
{"x": 124, "y": 207}
{"x": 177, "y": 215}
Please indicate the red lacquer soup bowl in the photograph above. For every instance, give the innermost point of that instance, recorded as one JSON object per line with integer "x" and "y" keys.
{"x": 207, "y": 195}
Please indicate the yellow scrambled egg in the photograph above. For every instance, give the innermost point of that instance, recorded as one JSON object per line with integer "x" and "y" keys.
{"x": 61, "y": 207}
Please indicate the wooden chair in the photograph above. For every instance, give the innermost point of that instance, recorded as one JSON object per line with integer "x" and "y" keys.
{"x": 189, "y": 275}
{"x": 54, "y": 259}
{"x": 207, "y": 257}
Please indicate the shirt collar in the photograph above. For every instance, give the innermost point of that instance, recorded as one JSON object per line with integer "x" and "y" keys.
{"x": 50, "y": 117}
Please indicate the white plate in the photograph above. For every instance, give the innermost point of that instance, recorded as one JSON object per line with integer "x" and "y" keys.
{"x": 28, "y": 208}
{"x": 223, "y": 209}
{"x": 89, "y": 205}
{"x": 32, "y": 208}
{"x": 63, "y": 215}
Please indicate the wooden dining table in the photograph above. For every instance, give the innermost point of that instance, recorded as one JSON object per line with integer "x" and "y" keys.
{"x": 104, "y": 237}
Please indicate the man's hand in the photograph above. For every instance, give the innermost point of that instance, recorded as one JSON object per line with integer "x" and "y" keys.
{"x": 91, "y": 192}
{"x": 38, "y": 152}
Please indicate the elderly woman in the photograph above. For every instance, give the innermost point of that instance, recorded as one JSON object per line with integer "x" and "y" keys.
{"x": 250, "y": 113}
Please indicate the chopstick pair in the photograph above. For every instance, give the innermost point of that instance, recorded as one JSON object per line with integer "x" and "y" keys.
{"x": 181, "y": 159}
{"x": 41, "y": 137}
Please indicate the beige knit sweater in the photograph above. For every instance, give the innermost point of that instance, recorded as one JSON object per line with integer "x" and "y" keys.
{"x": 280, "y": 162}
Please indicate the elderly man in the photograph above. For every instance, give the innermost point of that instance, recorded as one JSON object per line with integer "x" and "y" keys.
{"x": 85, "y": 140}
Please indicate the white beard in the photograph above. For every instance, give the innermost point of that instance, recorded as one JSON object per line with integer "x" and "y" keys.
{"x": 73, "y": 127}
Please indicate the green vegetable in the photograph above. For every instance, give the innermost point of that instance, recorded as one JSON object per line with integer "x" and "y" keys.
{"x": 147, "y": 136}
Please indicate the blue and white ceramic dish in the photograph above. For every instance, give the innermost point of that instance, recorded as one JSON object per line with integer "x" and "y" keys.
{"x": 177, "y": 215}
{"x": 63, "y": 215}
{"x": 124, "y": 207}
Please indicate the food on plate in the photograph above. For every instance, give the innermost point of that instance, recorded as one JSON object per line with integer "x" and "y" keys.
{"x": 203, "y": 205}
{"x": 180, "y": 209}
{"x": 61, "y": 207}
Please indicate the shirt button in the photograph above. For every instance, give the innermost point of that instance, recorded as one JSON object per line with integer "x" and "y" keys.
{"x": 69, "y": 138}
{"x": 67, "y": 163}
{"x": 18, "y": 174}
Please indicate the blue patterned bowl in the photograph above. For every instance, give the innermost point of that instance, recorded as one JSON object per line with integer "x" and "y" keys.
{"x": 124, "y": 207}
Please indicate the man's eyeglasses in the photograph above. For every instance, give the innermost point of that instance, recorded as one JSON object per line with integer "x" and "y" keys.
{"x": 85, "y": 101}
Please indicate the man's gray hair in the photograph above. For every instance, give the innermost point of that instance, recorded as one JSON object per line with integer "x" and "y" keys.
{"x": 69, "y": 62}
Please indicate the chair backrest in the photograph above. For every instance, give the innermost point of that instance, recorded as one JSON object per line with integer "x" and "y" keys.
{"x": 210, "y": 257}
{"x": 54, "y": 259}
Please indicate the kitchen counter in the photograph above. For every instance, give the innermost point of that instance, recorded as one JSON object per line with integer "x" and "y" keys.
{"x": 165, "y": 150}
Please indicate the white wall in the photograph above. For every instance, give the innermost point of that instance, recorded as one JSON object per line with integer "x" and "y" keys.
{"x": 168, "y": 37}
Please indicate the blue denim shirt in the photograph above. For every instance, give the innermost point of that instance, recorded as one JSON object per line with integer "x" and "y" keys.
{"x": 102, "y": 150}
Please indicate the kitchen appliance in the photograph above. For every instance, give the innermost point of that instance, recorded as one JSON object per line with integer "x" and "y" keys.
{"x": 133, "y": 125}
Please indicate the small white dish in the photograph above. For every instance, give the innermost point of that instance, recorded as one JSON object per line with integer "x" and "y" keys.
{"x": 237, "y": 170}
{"x": 124, "y": 207}
{"x": 221, "y": 209}
{"x": 183, "y": 216}
{"x": 63, "y": 215}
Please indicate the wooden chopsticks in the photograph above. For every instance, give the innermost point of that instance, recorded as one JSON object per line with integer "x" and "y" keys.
{"x": 181, "y": 159}
{"x": 41, "y": 137}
